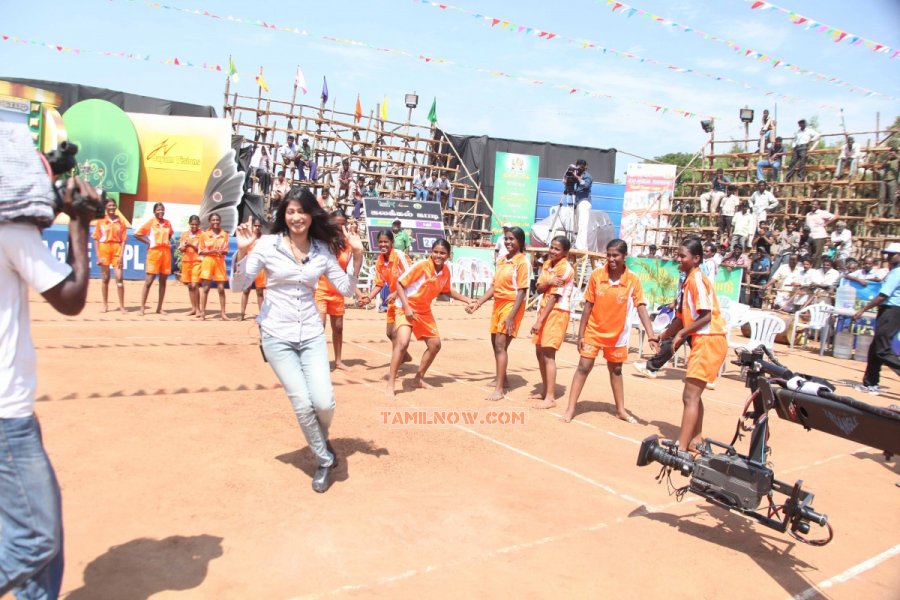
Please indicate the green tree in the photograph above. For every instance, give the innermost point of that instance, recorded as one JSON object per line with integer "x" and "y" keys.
{"x": 894, "y": 141}
{"x": 680, "y": 160}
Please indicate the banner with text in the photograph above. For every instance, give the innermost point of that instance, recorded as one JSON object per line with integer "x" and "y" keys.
{"x": 648, "y": 192}
{"x": 423, "y": 220}
{"x": 515, "y": 192}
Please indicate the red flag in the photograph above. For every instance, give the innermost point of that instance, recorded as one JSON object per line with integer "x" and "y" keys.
{"x": 841, "y": 37}
{"x": 617, "y": 6}
{"x": 757, "y": 5}
{"x": 358, "y": 114}
{"x": 494, "y": 22}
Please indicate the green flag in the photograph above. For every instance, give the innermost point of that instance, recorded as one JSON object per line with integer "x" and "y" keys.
{"x": 232, "y": 70}
{"x": 432, "y": 114}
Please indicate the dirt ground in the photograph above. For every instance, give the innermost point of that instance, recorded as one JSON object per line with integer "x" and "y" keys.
{"x": 185, "y": 474}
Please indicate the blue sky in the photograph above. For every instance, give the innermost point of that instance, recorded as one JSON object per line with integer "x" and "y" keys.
{"x": 477, "y": 103}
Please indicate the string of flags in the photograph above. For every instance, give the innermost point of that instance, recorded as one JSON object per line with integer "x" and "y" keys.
{"x": 501, "y": 24}
{"x": 173, "y": 61}
{"x": 836, "y": 34}
{"x": 628, "y": 11}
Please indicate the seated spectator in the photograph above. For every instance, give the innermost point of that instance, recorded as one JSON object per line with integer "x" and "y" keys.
{"x": 445, "y": 195}
{"x": 758, "y": 277}
{"x": 419, "y": 185}
{"x": 728, "y": 207}
{"x": 841, "y": 242}
{"x": 762, "y": 201}
{"x": 280, "y": 188}
{"x": 431, "y": 187}
{"x": 326, "y": 200}
{"x": 345, "y": 179}
{"x": 850, "y": 154}
{"x": 784, "y": 279}
{"x": 307, "y": 160}
{"x": 709, "y": 201}
{"x": 359, "y": 189}
{"x": 736, "y": 259}
{"x": 803, "y": 292}
{"x": 765, "y": 132}
{"x": 869, "y": 273}
{"x": 775, "y": 157}
{"x": 763, "y": 240}
{"x": 787, "y": 243}
{"x": 824, "y": 281}
{"x": 743, "y": 225}
{"x": 709, "y": 266}
{"x": 652, "y": 252}
{"x": 261, "y": 166}
{"x": 290, "y": 153}
{"x": 890, "y": 176}
{"x": 719, "y": 256}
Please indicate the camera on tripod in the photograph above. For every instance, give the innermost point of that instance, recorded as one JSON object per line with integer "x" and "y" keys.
{"x": 742, "y": 482}
{"x": 62, "y": 161}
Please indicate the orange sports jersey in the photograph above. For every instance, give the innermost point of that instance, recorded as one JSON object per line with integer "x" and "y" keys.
{"x": 158, "y": 232}
{"x": 512, "y": 274}
{"x": 423, "y": 284}
{"x": 388, "y": 270}
{"x": 324, "y": 287}
{"x": 211, "y": 242}
{"x": 564, "y": 271}
{"x": 608, "y": 321}
{"x": 107, "y": 230}
{"x": 190, "y": 254}
{"x": 698, "y": 294}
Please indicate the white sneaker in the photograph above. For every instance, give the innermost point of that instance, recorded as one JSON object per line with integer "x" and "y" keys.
{"x": 643, "y": 371}
{"x": 712, "y": 386}
{"x": 872, "y": 390}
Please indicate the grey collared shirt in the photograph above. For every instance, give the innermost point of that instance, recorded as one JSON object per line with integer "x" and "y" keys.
{"x": 289, "y": 310}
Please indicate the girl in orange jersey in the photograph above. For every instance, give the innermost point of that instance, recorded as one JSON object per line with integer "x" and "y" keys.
{"x": 159, "y": 255}
{"x": 329, "y": 301}
{"x": 109, "y": 236}
{"x": 557, "y": 284}
{"x": 389, "y": 266}
{"x": 213, "y": 248}
{"x": 611, "y": 293}
{"x": 189, "y": 244}
{"x": 416, "y": 290}
{"x": 698, "y": 319}
{"x": 259, "y": 284}
{"x": 508, "y": 291}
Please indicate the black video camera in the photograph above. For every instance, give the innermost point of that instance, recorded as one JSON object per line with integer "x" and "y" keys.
{"x": 62, "y": 161}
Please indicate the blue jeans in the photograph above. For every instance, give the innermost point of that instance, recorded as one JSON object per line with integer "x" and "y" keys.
{"x": 385, "y": 292}
{"x": 421, "y": 195}
{"x": 31, "y": 535}
{"x": 302, "y": 368}
{"x": 765, "y": 162}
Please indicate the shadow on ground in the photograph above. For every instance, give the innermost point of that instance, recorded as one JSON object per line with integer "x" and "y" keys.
{"x": 141, "y": 568}
{"x": 344, "y": 447}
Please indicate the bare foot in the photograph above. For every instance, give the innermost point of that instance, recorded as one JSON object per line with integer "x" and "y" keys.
{"x": 544, "y": 404}
{"x": 199, "y": 315}
{"x": 143, "y": 310}
{"x": 340, "y": 365}
{"x": 202, "y": 316}
{"x": 627, "y": 418}
{"x": 192, "y": 313}
{"x": 421, "y": 383}
{"x": 496, "y": 395}
{"x": 567, "y": 418}
{"x": 407, "y": 357}
{"x": 536, "y": 396}
{"x": 105, "y": 308}
{"x": 389, "y": 392}
{"x": 224, "y": 317}
{"x": 242, "y": 316}
{"x": 122, "y": 309}
{"x": 160, "y": 311}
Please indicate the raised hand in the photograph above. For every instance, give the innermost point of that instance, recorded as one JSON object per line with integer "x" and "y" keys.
{"x": 244, "y": 235}
{"x": 353, "y": 240}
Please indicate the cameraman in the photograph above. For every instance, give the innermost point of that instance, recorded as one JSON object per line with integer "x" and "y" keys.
{"x": 581, "y": 186}
{"x": 31, "y": 555}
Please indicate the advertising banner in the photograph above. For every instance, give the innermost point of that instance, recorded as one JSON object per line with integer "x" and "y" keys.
{"x": 423, "y": 220}
{"x": 659, "y": 279}
{"x": 515, "y": 192}
{"x": 648, "y": 192}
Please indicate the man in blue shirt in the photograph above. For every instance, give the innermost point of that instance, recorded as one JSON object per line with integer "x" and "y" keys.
{"x": 760, "y": 269}
{"x": 581, "y": 181}
{"x": 887, "y": 324}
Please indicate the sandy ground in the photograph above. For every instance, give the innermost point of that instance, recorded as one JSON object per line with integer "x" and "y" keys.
{"x": 185, "y": 474}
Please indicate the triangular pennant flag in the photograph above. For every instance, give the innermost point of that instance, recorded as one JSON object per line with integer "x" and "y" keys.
{"x": 357, "y": 116}
{"x": 300, "y": 80}
{"x": 232, "y": 71}
{"x": 324, "y": 89}
{"x": 261, "y": 82}
{"x": 432, "y": 114}
{"x": 384, "y": 114}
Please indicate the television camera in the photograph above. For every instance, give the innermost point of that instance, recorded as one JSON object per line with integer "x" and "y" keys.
{"x": 62, "y": 161}
{"x": 740, "y": 482}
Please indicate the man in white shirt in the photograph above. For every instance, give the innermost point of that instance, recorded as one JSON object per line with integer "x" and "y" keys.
{"x": 762, "y": 201}
{"x": 31, "y": 553}
{"x": 850, "y": 153}
{"x": 744, "y": 224}
{"x": 805, "y": 141}
{"x": 766, "y": 131}
{"x": 728, "y": 207}
{"x": 868, "y": 274}
{"x": 500, "y": 248}
{"x": 841, "y": 241}
{"x": 784, "y": 280}
{"x": 826, "y": 279}
{"x": 817, "y": 220}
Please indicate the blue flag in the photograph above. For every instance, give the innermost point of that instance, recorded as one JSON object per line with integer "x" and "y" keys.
{"x": 324, "y": 89}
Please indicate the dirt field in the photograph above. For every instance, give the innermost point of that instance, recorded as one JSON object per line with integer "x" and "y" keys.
{"x": 184, "y": 473}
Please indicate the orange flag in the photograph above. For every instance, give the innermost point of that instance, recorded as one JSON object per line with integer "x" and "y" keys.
{"x": 358, "y": 114}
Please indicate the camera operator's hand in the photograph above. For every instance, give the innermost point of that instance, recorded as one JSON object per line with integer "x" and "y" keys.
{"x": 86, "y": 209}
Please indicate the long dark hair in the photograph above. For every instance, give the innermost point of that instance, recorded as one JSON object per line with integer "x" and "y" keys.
{"x": 694, "y": 246}
{"x": 321, "y": 228}
{"x": 519, "y": 234}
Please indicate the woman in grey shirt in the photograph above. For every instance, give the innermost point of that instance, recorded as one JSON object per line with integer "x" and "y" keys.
{"x": 300, "y": 249}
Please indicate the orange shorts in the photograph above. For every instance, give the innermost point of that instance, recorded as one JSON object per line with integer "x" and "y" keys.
{"x": 502, "y": 311}
{"x": 424, "y": 325}
{"x": 707, "y": 355}
{"x": 613, "y": 354}
{"x": 330, "y": 304}
{"x": 109, "y": 253}
{"x": 553, "y": 332}
{"x": 159, "y": 261}
{"x": 212, "y": 268}
{"x": 392, "y": 313}
{"x": 260, "y": 281}
{"x": 190, "y": 271}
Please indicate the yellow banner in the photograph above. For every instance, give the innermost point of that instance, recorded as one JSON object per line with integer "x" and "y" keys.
{"x": 173, "y": 152}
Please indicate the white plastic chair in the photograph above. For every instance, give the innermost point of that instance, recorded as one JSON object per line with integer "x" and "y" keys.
{"x": 635, "y": 321}
{"x": 763, "y": 329}
{"x": 818, "y": 316}
{"x": 577, "y": 306}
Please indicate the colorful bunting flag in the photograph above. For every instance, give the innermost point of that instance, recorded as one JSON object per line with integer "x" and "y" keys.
{"x": 300, "y": 80}
{"x": 432, "y": 114}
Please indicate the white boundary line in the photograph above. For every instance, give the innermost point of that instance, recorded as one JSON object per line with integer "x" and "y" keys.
{"x": 844, "y": 577}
